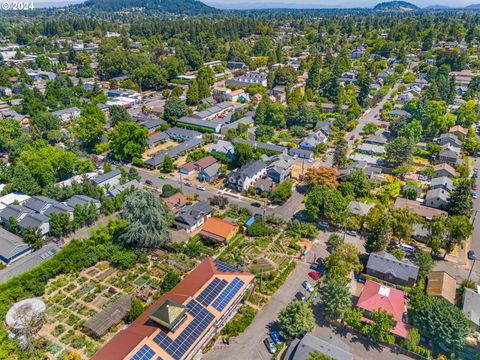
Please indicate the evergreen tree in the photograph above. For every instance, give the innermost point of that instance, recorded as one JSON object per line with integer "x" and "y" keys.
{"x": 193, "y": 93}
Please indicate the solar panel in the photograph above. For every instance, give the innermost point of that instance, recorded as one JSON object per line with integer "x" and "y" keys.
{"x": 145, "y": 353}
{"x": 221, "y": 266}
{"x": 211, "y": 291}
{"x": 228, "y": 294}
{"x": 178, "y": 347}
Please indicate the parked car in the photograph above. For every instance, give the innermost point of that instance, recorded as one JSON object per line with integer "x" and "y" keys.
{"x": 270, "y": 345}
{"x": 162, "y": 177}
{"x": 256, "y": 204}
{"x": 300, "y": 296}
{"x": 201, "y": 188}
{"x": 188, "y": 183}
{"x": 307, "y": 286}
{"x": 275, "y": 337}
{"x": 323, "y": 225}
{"x": 475, "y": 174}
{"x": 149, "y": 182}
{"x": 314, "y": 275}
{"x": 474, "y": 186}
{"x": 474, "y": 195}
{"x": 471, "y": 255}
{"x": 351, "y": 232}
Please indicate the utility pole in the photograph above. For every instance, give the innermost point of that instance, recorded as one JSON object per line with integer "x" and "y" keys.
{"x": 471, "y": 269}
{"x": 181, "y": 182}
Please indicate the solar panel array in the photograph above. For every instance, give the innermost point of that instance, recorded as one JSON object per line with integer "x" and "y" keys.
{"x": 221, "y": 266}
{"x": 145, "y": 353}
{"x": 228, "y": 294}
{"x": 211, "y": 291}
{"x": 178, "y": 347}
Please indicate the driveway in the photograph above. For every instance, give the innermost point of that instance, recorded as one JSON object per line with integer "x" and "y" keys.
{"x": 249, "y": 345}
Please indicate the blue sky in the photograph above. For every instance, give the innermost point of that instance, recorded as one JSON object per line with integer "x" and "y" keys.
{"x": 251, "y": 4}
{"x": 325, "y": 3}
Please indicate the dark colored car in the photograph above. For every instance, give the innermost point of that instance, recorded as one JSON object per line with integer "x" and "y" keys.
{"x": 256, "y": 204}
{"x": 471, "y": 255}
{"x": 149, "y": 182}
{"x": 300, "y": 296}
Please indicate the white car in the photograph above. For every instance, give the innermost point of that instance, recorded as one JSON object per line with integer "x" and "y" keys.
{"x": 307, "y": 286}
{"x": 201, "y": 187}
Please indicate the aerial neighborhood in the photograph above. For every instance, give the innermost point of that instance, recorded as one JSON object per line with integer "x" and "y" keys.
{"x": 183, "y": 182}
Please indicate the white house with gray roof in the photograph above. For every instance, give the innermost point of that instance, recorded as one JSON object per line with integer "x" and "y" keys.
{"x": 35, "y": 221}
{"x": 110, "y": 178}
{"x": 241, "y": 179}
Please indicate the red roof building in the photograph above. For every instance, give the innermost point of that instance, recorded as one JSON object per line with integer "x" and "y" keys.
{"x": 376, "y": 296}
{"x": 183, "y": 321}
{"x": 175, "y": 202}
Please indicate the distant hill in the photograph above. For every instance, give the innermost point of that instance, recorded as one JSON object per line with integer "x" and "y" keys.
{"x": 395, "y": 6}
{"x": 473, "y": 7}
{"x": 170, "y": 6}
{"x": 437, "y": 7}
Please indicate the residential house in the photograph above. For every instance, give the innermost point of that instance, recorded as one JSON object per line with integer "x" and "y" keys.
{"x": 437, "y": 198}
{"x": 420, "y": 232}
{"x": 12, "y": 247}
{"x": 376, "y": 140}
{"x": 359, "y": 208}
{"x": 17, "y": 212}
{"x": 59, "y": 208}
{"x": 244, "y": 80}
{"x": 68, "y": 115}
{"x": 82, "y": 200}
{"x": 405, "y": 97}
{"x": 450, "y": 157}
{"x": 150, "y": 124}
{"x": 241, "y": 179}
{"x": 280, "y": 93}
{"x": 109, "y": 179}
{"x": 312, "y": 140}
{"x": 174, "y": 151}
{"x": 369, "y": 159}
{"x": 175, "y": 202}
{"x": 218, "y": 230}
{"x": 36, "y": 221}
{"x": 442, "y": 284}
{"x": 371, "y": 171}
{"x": 192, "y": 217}
{"x": 39, "y": 204}
{"x": 264, "y": 146}
{"x": 387, "y": 267}
{"x": 419, "y": 209}
{"x": 376, "y": 296}
{"x": 371, "y": 149}
{"x": 450, "y": 139}
{"x": 210, "y": 173}
{"x": 182, "y": 321}
{"x": 443, "y": 182}
{"x": 459, "y": 131}
{"x": 281, "y": 168}
{"x": 330, "y": 346}
{"x": 237, "y": 65}
{"x": 471, "y": 306}
{"x": 444, "y": 169}
{"x": 183, "y": 134}
{"x": 156, "y": 138}
{"x": 301, "y": 153}
{"x": 237, "y": 95}
{"x": 325, "y": 127}
{"x": 119, "y": 188}
{"x": 224, "y": 147}
{"x": 398, "y": 113}
{"x": 264, "y": 186}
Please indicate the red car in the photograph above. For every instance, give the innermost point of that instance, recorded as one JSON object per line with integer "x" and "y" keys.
{"x": 314, "y": 275}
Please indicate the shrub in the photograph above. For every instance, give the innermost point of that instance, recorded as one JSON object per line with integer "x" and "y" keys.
{"x": 240, "y": 321}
